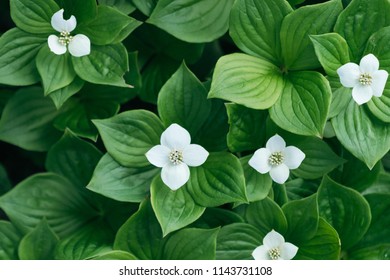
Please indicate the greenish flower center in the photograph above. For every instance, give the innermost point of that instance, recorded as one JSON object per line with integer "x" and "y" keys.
{"x": 65, "y": 38}
{"x": 176, "y": 157}
{"x": 365, "y": 79}
{"x": 274, "y": 253}
{"x": 276, "y": 158}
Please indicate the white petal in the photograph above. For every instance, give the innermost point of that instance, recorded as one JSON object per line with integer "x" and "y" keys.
{"x": 158, "y": 155}
{"x": 288, "y": 251}
{"x": 280, "y": 173}
{"x": 175, "y": 137}
{"x": 362, "y": 94}
{"x": 60, "y": 24}
{"x": 369, "y": 64}
{"x": 194, "y": 155}
{"x": 349, "y": 74}
{"x": 175, "y": 176}
{"x": 261, "y": 253}
{"x": 80, "y": 45}
{"x": 55, "y": 46}
{"x": 273, "y": 239}
{"x": 275, "y": 144}
{"x": 293, "y": 157}
{"x": 379, "y": 79}
{"x": 259, "y": 160}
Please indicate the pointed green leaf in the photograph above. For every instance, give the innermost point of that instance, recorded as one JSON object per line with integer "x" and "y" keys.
{"x": 145, "y": 6}
{"x": 129, "y": 135}
{"x": 247, "y": 80}
{"x": 61, "y": 95}
{"x": 10, "y": 238}
{"x": 124, "y": 6}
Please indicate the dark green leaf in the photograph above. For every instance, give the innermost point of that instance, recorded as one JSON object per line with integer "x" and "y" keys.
{"x": 10, "y": 238}
{"x": 114, "y": 255}
{"x": 216, "y": 217}
{"x": 84, "y": 11}
{"x": 63, "y": 94}
{"x": 145, "y": 6}
{"x": 5, "y": 183}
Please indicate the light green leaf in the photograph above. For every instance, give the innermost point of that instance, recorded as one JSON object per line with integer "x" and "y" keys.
{"x": 121, "y": 183}
{"x": 141, "y": 234}
{"x": 345, "y": 209}
{"x": 39, "y": 243}
{"x": 114, "y": 255}
{"x": 365, "y": 137}
{"x": 27, "y": 120}
{"x": 255, "y": 27}
{"x": 359, "y": 21}
{"x": 192, "y": 21}
{"x": 105, "y": 65}
{"x": 56, "y": 70}
{"x": 304, "y": 105}
{"x": 297, "y": 50}
{"x": 332, "y": 51}
{"x": 110, "y": 26}
{"x": 33, "y": 16}
{"x": 247, "y": 80}
{"x": 191, "y": 244}
{"x": 218, "y": 181}
{"x": 61, "y": 95}
{"x": 340, "y": 100}
{"x": 237, "y": 242}
{"x": 18, "y": 50}
{"x": 73, "y": 158}
{"x": 174, "y": 209}
{"x": 183, "y": 100}
{"x": 145, "y": 6}
{"x": 247, "y": 128}
{"x": 10, "y": 238}
{"x": 129, "y": 135}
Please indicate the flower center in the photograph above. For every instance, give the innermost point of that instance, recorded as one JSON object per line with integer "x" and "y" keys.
{"x": 176, "y": 157}
{"x": 365, "y": 79}
{"x": 274, "y": 253}
{"x": 65, "y": 38}
{"x": 276, "y": 158}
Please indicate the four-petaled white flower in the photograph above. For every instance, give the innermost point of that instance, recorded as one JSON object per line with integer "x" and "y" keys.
{"x": 78, "y": 45}
{"x": 175, "y": 154}
{"x": 275, "y": 248}
{"x": 277, "y": 159}
{"x": 365, "y": 79}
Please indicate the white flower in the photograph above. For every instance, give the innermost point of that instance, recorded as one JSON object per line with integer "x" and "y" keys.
{"x": 175, "y": 154}
{"x": 78, "y": 45}
{"x": 275, "y": 248}
{"x": 277, "y": 159}
{"x": 365, "y": 79}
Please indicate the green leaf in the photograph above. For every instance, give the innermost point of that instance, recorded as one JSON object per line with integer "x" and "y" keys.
{"x": 10, "y": 238}
{"x": 27, "y": 120}
{"x": 345, "y": 209}
{"x": 304, "y": 105}
{"x": 114, "y": 255}
{"x": 174, "y": 209}
{"x": 121, "y": 183}
{"x": 380, "y": 186}
{"x": 105, "y": 65}
{"x": 33, "y": 16}
{"x": 92, "y": 240}
{"x": 297, "y": 50}
{"x": 247, "y": 80}
{"x": 258, "y": 185}
{"x": 365, "y": 137}
{"x": 247, "y": 128}
{"x": 39, "y": 243}
{"x": 359, "y": 21}
{"x": 301, "y": 214}
{"x": 61, "y": 95}
{"x": 124, "y": 6}
{"x": 183, "y": 100}
{"x": 340, "y": 100}
{"x": 217, "y": 217}
{"x": 110, "y": 26}
{"x": 332, "y": 51}
{"x": 145, "y": 6}
{"x": 266, "y": 215}
{"x": 299, "y": 188}
{"x": 47, "y": 195}
{"x": 5, "y": 183}
{"x": 78, "y": 113}
{"x": 192, "y": 21}
{"x": 376, "y": 252}
{"x": 18, "y": 50}
{"x": 84, "y": 11}
{"x": 129, "y": 135}
{"x": 73, "y": 158}
{"x": 237, "y": 242}
{"x": 325, "y": 245}
{"x": 191, "y": 244}
{"x": 56, "y": 70}
{"x": 141, "y": 234}
{"x": 255, "y": 27}
{"x": 218, "y": 181}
